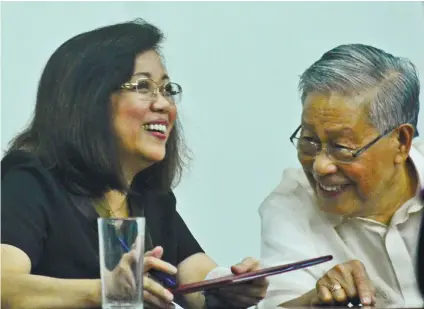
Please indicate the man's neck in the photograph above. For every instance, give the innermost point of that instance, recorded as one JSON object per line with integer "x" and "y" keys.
{"x": 402, "y": 189}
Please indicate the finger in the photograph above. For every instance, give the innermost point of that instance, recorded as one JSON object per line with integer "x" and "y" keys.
{"x": 362, "y": 283}
{"x": 156, "y": 252}
{"x": 122, "y": 291}
{"x": 263, "y": 282}
{"x": 315, "y": 302}
{"x": 245, "y": 289}
{"x": 129, "y": 257}
{"x": 153, "y": 301}
{"x": 248, "y": 264}
{"x": 343, "y": 275}
{"x": 242, "y": 301}
{"x": 124, "y": 274}
{"x": 339, "y": 295}
{"x": 235, "y": 299}
{"x": 152, "y": 262}
{"x": 148, "y": 305}
{"x": 156, "y": 289}
{"x": 337, "y": 281}
{"x": 324, "y": 294}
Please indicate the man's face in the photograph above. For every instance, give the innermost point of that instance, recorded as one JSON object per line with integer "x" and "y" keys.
{"x": 359, "y": 187}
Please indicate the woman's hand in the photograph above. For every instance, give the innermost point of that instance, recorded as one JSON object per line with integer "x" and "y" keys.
{"x": 345, "y": 283}
{"x": 244, "y": 295}
{"x": 121, "y": 285}
{"x": 155, "y": 295}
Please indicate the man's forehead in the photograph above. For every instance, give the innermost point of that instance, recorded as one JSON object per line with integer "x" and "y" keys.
{"x": 335, "y": 99}
{"x": 336, "y": 113}
{"x": 327, "y": 103}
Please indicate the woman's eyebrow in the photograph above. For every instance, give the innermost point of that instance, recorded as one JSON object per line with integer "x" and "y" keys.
{"x": 148, "y": 75}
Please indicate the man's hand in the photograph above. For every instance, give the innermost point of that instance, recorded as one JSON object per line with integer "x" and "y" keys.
{"x": 344, "y": 283}
{"x": 244, "y": 295}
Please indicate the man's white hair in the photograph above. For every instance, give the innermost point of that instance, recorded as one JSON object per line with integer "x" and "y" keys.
{"x": 391, "y": 83}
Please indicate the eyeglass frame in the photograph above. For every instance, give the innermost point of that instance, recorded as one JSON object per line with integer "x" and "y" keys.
{"x": 134, "y": 86}
{"x": 355, "y": 153}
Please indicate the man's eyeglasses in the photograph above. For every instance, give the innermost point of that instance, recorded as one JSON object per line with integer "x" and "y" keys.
{"x": 309, "y": 147}
{"x": 148, "y": 90}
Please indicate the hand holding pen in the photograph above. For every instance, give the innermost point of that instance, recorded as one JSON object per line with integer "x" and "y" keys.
{"x": 155, "y": 281}
{"x": 155, "y": 270}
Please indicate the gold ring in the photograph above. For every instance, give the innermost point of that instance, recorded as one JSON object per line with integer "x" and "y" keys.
{"x": 335, "y": 287}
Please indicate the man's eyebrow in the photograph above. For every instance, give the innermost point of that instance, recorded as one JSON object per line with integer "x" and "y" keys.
{"x": 340, "y": 129}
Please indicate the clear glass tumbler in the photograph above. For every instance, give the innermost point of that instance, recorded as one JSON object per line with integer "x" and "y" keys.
{"x": 121, "y": 254}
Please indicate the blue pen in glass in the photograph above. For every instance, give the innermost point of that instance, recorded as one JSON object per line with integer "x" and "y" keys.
{"x": 167, "y": 281}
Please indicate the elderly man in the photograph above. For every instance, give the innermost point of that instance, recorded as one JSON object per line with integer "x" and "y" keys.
{"x": 357, "y": 194}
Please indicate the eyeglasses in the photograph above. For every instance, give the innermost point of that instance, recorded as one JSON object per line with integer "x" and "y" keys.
{"x": 148, "y": 90}
{"x": 309, "y": 147}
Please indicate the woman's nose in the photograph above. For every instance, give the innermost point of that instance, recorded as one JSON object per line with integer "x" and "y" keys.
{"x": 161, "y": 103}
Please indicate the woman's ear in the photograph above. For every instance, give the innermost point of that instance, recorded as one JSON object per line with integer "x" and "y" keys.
{"x": 405, "y": 135}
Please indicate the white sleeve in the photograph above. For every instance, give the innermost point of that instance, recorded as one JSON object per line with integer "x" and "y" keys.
{"x": 286, "y": 238}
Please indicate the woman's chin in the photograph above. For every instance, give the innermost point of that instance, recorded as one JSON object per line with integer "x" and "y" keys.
{"x": 153, "y": 155}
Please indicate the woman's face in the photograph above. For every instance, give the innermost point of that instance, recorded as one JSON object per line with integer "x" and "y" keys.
{"x": 143, "y": 126}
{"x": 363, "y": 186}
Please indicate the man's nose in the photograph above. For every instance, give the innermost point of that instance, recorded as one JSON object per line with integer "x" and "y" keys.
{"x": 323, "y": 165}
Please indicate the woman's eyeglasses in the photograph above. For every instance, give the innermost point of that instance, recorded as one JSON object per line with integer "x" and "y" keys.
{"x": 149, "y": 89}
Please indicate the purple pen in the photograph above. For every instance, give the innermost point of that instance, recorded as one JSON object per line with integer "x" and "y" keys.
{"x": 123, "y": 244}
{"x": 166, "y": 280}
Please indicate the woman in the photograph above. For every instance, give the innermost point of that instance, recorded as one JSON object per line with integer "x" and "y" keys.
{"x": 104, "y": 141}
{"x": 356, "y": 196}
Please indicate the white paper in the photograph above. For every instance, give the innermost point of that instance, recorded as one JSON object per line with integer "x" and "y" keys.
{"x": 177, "y": 306}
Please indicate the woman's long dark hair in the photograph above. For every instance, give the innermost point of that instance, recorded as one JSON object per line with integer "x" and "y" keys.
{"x": 71, "y": 129}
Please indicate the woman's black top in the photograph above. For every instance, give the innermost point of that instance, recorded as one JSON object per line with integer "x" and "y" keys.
{"x": 58, "y": 230}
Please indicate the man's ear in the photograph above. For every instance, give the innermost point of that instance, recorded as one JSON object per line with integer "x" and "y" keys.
{"x": 405, "y": 135}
